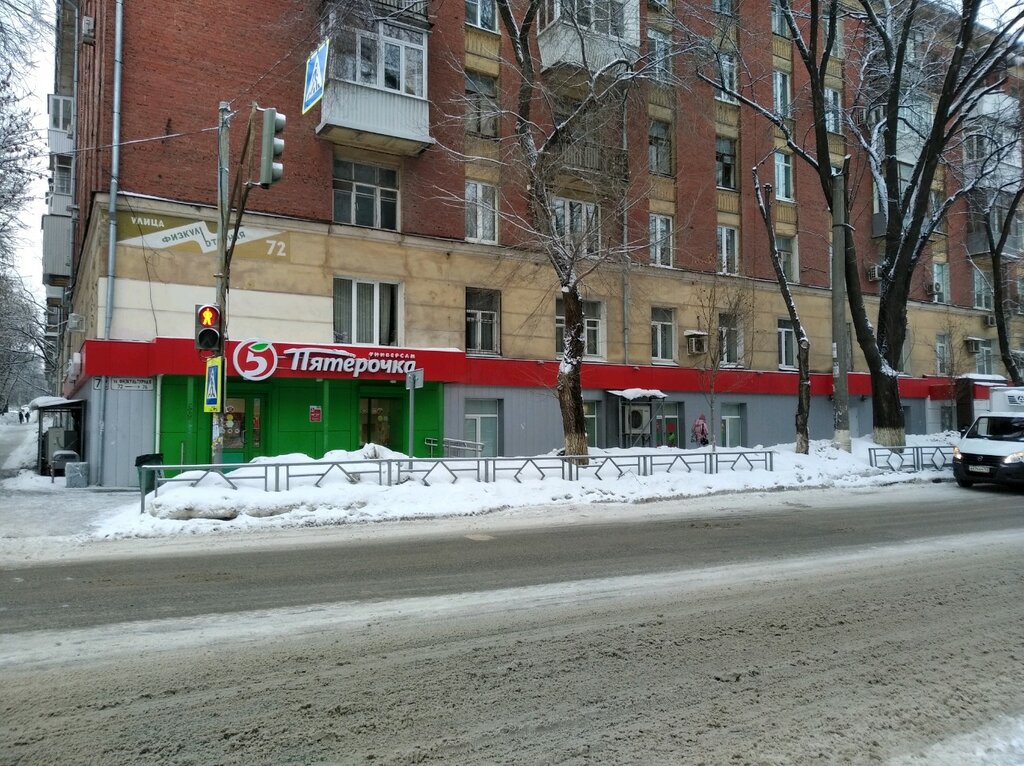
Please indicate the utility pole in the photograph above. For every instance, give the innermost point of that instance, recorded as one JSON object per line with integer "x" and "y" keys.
{"x": 840, "y": 355}
{"x": 223, "y": 217}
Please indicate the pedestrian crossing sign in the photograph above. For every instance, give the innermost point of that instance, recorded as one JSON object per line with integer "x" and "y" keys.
{"x": 316, "y": 76}
{"x": 214, "y": 378}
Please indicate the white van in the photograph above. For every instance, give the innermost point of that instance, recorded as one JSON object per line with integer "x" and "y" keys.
{"x": 991, "y": 450}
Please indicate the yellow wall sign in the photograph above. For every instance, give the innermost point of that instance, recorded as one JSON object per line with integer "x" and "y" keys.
{"x": 214, "y": 387}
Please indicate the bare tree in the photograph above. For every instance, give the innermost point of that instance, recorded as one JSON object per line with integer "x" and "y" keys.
{"x": 763, "y": 193}
{"x": 25, "y": 27}
{"x": 921, "y": 70}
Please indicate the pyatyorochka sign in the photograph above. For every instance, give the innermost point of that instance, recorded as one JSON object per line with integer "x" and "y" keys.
{"x": 258, "y": 360}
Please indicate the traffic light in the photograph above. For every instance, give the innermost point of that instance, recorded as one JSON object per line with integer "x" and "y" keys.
{"x": 208, "y": 336}
{"x": 271, "y": 148}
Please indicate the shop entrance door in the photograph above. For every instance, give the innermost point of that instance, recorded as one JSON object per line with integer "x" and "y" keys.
{"x": 379, "y": 422}
{"x": 243, "y": 428}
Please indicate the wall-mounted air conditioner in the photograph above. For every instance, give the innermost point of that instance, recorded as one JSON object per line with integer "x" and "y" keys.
{"x": 76, "y": 323}
{"x": 973, "y": 345}
{"x": 990, "y": 320}
{"x": 638, "y": 418}
{"x": 874, "y": 273}
{"x": 935, "y": 288}
{"x": 697, "y": 344}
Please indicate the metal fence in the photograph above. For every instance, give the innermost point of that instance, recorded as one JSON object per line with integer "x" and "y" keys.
{"x": 277, "y": 477}
{"x": 907, "y": 458}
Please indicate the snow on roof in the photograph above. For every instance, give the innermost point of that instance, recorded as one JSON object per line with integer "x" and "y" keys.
{"x": 49, "y": 401}
{"x": 688, "y": 333}
{"x": 639, "y": 393}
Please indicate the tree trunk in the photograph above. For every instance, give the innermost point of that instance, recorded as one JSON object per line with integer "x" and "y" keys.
{"x": 887, "y": 410}
{"x": 570, "y": 391}
{"x": 803, "y": 399}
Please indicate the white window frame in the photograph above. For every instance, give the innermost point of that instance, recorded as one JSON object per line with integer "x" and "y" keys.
{"x": 659, "y": 50}
{"x": 659, "y": 147}
{"x": 481, "y": 212}
{"x": 727, "y": 248}
{"x": 786, "y": 344}
{"x": 983, "y": 298}
{"x": 475, "y": 15}
{"x": 663, "y": 334}
{"x": 477, "y": 318}
{"x": 358, "y": 335}
{"x": 780, "y": 26}
{"x": 730, "y": 341}
{"x": 473, "y": 423}
{"x": 789, "y": 257}
{"x": 368, "y": 63}
{"x": 731, "y": 425}
{"x": 584, "y": 221}
{"x": 481, "y": 104}
{"x": 62, "y": 175}
{"x": 940, "y": 276}
{"x": 61, "y": 111}
{"x": 943, "y": 356}
{"x": 605, "y": 17}
{"x": 782, "y": 94}
{"x": 833, "y": 110}
{"x": 721, "y": 165}
{"x": 592, "y": 420}
{"x": 593, "y": 329}
{"x": 660, "y": 233}
{"x": 726, "y": 70}
{"x": 985, "y": 359}
{"x": 784, "y": 176}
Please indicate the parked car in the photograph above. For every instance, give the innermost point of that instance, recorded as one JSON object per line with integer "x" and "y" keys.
{"x": 991, "y": 450}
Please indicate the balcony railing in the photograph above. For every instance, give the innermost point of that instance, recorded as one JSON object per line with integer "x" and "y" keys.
{"x": 563, "y": 44}
{"x": 374, "y": 118}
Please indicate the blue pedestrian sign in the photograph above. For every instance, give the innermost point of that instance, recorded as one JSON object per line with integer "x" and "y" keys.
{"x": 316, "y": 76}
{"x": 214, "y": 389}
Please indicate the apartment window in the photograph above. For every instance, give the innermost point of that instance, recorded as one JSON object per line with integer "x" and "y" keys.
{"x": 781, "y": 99}
{"x": 725, "y": 163}
{"x": 593, "y": 330}
{"x": 61, "y": 112}
{"x": 604, "y": 16}
{"x": 483, "y": 312}
{"x": 659, "y": 49}
{"x": 659, "y": 147}
{"x": 386, "y": 56}
{"x": 577, "y": 223}
{"x": 943, "y": 356}
{"x": 833, "y": 111}
{"x": 481, "y": 13}
{"x": 724, "y": 7}
{"x": 779, "y": 24}
{"x": 661, "y": 240}
{"x": 728, "y": 262}
{"x": 984, "y": 358}
{"x": 982, "y": 290}
{"x": 787, "y": 253}
{"x": 481, "y": 212}
{"x": 787, "y": 344}
{"x": 592, "y": 421}
{"x": 365, "y": 195}
{"x": 732, "y": 426}
{"x": 730, "y": 346}
{"x": 940, "y": 286}
{"x": 365, "y": 312}
{"x": 482, "y": 424}
{"x": 62, "y": 174}
{"x": 726, "y": 65}
{"x": 662, "y": 335}
{"x": 481, "y": 105}
{"x": 784, "y": 176}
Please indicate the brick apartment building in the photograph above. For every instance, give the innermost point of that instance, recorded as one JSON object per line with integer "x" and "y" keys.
{"x": 381, "y": 246}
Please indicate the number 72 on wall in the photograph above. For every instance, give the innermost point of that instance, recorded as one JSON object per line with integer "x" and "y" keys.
{"x": 276, "y": 247}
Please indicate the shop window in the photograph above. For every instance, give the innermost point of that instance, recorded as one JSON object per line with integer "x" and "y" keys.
{"x": 666, "y": 425}
{"x": 365, "y": 312}
{"x": 592, "y": 418}
{"x": 733, "y": 425}
{"x": 482, "y": 424}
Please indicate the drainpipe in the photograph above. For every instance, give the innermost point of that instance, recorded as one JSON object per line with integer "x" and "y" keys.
{"x": 625, "y": 245}
{"x": 115, "y": 170}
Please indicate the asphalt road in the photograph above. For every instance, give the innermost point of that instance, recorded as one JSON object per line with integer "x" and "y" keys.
{"x": 99, "y": 592}
{"x": 877, "y": 627}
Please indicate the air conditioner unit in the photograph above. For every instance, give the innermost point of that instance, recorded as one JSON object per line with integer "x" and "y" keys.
{"x": 935, "y": 288}
{"x": 75, "y": 365}
{"x": 638, "y": 418}
{"x": 990, "y": 320}
{"x": 88, "y": 29}
{"x": 973, "y": 345}
{"x": 697, "y": 344}
{"x": 76, "y": 322}
{"x": 874, "y": 273}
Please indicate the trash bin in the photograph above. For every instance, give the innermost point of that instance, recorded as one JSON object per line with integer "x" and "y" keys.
{"x": 147, "y": 479}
